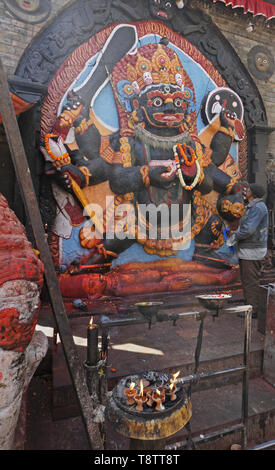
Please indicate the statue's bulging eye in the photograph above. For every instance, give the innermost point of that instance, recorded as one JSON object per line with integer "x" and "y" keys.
{"x": 178, "y": 102}
{"x": 158, "y": 102}
{"x": 234, "y": 104}
{"x": 168, "y": 5}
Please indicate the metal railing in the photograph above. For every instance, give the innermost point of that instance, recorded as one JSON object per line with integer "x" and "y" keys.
{"x": 195, "y": 377}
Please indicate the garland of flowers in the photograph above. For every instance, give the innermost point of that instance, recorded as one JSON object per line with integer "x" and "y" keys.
{"x": 182, "y": 148}
{"x": 179, "y": 172}
{"x": 63, "y": 159}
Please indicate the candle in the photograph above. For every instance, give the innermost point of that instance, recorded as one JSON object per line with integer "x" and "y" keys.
{"x": 171, "y": 391}
{"x": 140, "y": 399}
{"x": 174, "y": 378}
{"x": 148, "y": 391}
{"x": 130, "y": 393}
{"x": 162, "y": 389}
{"x": 159, "y": 399}
{"x": 92, "y": 343}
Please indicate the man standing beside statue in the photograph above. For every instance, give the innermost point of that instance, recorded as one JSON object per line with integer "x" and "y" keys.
{"x": 250, "y": 241}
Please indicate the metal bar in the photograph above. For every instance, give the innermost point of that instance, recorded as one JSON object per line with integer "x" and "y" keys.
{"x": 219, "y": 433}
{"x": 264, "y": 445}
{"x": 197, "y": 351}
{"x": 166, "y": 305}
{"x": 123, "y": 322}
{"x": 237, "y": 309}
{"x": 24, "y": 180}
{"x": 245, "y": 387}
{"x": 209, "y": 375}
{"x": 209, "y": 436}
{"x": 141, "y": 320}
{"x": 170, "y": 317}
{"x": 199, "y": 343}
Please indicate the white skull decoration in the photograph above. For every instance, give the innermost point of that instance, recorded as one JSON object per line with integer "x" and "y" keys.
{"x": 179, "y": 81}
{"x": 147, "y": 78}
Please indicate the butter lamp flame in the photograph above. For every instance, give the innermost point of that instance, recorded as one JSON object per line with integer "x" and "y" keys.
{"x": 130, "y": 394}
{"x": 141, "y": 388}
{"x": 140, "y": 399}
{"x": 175, "y": 376}
{"x": 173, "y": 380}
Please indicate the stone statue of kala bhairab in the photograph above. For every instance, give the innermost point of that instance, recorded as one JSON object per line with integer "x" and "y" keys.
{"x": 156, "y": 158}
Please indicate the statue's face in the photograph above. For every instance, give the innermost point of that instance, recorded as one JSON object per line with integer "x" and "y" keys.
{"x": 226, "y": 205}
{"x": 162, "y": 9}
{"x": 238, "y": 209}
{"x": 28, "y": 5}
{"x": 262, "y": 62}
{"x": 163, "y": 106}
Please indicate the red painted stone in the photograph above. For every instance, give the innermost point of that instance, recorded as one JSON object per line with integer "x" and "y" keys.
{"x": 18, "y": 262}
{"x": 15, "y": 335}
{"x": 17, "y": 257}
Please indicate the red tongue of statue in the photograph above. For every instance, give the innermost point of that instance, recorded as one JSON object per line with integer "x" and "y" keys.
{"x": 162, "y": 13}
{"x": 189, "y": 170}
{"x": 239, "y": 129}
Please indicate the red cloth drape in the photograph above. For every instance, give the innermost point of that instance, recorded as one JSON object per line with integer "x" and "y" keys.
{"x": 256, "y": 7}
{"x": 20, "y": 106}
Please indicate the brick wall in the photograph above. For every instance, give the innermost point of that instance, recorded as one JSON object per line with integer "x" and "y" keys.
{"x": 15, "y": 36}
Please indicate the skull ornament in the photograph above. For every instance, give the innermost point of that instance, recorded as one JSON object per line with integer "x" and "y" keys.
{"x": 147, "y": 78}
{"x": 179, "y": 80}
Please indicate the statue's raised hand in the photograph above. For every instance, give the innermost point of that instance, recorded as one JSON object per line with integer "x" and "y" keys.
{"x": 59, "y": 162}
{"x": 159, "y": 178}
{"x": 227, "y": 119}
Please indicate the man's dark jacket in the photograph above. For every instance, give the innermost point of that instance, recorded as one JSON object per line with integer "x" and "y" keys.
{"x": 253, "y": 229}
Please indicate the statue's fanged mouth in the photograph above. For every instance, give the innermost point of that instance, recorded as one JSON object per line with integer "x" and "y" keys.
{"x": 169, "y": 119}
{"x": 162, "y": 13}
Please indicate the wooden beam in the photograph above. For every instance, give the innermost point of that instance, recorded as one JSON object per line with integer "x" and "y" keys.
{"x": 25, "y": 183}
